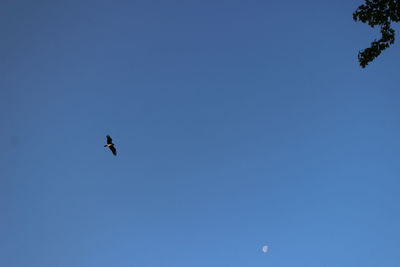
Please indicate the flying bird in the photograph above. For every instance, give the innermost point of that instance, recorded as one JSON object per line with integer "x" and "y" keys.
{"x": 110, "y": 145}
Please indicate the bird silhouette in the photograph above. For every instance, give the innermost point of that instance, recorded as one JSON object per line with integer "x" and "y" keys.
{"x": 110, "y": 145}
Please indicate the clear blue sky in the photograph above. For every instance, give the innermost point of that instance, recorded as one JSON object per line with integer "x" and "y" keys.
{"x": 238, "y": 124}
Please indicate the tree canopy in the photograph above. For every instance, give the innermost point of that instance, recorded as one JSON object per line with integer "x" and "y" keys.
{"x": 378, "y": 13}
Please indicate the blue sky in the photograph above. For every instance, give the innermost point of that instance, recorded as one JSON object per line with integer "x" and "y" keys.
{"x": 238, "y": 124}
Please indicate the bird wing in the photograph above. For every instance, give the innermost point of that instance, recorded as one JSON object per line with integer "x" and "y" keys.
{"x": 113, "y": 150}
{"x": 109, "y": 139}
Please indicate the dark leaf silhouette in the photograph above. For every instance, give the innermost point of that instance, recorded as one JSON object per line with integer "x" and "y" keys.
{"x": 377, "y": 13}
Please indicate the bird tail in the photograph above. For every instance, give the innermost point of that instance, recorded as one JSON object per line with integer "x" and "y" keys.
{"x": 105, "y": 145}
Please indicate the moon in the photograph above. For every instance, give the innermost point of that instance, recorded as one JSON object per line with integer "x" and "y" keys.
{"x": 265, "y": 249}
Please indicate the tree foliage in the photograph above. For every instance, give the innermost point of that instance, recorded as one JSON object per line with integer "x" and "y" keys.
{"x": 378, "y": 13}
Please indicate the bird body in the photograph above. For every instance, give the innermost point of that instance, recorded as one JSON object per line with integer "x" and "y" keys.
{"x": 110, "y": 145}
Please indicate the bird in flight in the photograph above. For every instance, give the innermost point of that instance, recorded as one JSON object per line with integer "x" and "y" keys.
{"x": 110, "y": 145}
